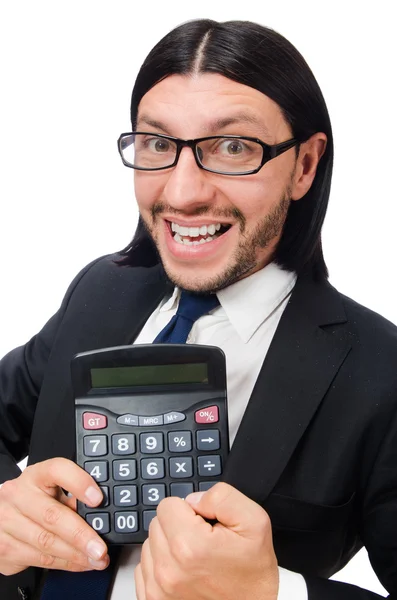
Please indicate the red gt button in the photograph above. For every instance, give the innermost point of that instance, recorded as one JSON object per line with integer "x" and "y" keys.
{"x": 209, "y": 414}
{"x": 94, "y": 421}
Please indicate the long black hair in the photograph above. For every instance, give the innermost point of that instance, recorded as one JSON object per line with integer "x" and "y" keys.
{"x": 263, "y": 59}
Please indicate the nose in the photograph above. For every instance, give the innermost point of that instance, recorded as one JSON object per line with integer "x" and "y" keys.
{"x": 188, "y": 186}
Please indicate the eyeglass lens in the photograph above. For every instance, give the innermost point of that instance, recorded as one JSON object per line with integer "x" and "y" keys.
{"x": 227, "y": 155}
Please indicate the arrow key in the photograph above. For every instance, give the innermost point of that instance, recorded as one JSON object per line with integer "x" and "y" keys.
{"x": 208, "y": 439}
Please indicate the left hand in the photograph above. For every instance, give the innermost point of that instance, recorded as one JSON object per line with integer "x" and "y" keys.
{"x": 187, "y": 558}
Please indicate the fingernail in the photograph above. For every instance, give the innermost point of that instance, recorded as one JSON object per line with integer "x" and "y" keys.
{"x": 93, "y": 495}
{"x": 97, "y": 564}
{"x": 194, "y": 498}
{"x": 95, "y": 549}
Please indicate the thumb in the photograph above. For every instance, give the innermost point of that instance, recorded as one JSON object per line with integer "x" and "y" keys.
{"x": 228, "y": 506}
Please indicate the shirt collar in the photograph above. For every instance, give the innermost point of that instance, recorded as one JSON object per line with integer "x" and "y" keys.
{"x": 250, "y": 301}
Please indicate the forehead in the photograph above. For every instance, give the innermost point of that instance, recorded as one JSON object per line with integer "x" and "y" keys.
{"x": 191, "y": 106}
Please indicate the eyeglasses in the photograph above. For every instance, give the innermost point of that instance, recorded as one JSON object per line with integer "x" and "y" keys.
{"x": 226, "y": 155}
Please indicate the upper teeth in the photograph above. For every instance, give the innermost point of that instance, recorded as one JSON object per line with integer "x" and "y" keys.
{"x": 195, "y": 231}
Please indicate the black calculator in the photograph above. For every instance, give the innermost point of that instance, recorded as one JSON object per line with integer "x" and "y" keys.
{"x": 151, "y": 422}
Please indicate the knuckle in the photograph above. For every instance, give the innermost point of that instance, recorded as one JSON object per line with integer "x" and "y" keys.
{"x": 264, "y": 524}
{"x": 165, "y": 579}
{"x": 45, "y": 539}
{"x": 9, "y": 488}
{"x": 46, "y": 560}
{"x": 182, "y": 551}
{"x": 52, "y": 515}
{"x": 79, "y": 536}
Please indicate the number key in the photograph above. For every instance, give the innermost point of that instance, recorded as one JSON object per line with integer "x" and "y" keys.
{"x": 97, "y": 469}
{"x": 152, "y": 468}
{"x": 95, "y": 445}
{"x": 152, "y": 443}
{"x": 125, "y": 495}
{"x": 152, "y": 495}
{"x": 124, "y": 470}
{"x": 123, "y": 444}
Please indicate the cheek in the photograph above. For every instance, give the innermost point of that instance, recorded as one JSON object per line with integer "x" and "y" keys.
{"x": 147, "y": 190}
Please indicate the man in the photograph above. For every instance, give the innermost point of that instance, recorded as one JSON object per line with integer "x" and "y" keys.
{"x": 232, "y": 151}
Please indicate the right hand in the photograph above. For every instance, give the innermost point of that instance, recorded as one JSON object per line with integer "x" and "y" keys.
{"x": 38, "y": 523}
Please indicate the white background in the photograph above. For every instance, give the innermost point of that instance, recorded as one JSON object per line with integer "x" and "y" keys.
{"x": 67, "y": 70}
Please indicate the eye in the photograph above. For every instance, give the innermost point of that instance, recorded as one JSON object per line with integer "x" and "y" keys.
{"x": 233, "y": 147}
{"x": 158, "y": 145}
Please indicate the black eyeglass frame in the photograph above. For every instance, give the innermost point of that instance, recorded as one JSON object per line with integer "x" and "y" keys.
{"x": 272, "y": 151}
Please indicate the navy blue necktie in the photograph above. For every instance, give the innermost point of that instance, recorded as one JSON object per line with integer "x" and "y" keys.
{"x": 94, "y": 585}
{"x": 191, "y": 307}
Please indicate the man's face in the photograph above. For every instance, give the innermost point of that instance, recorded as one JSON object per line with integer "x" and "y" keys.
{"x": 250, "y": 209}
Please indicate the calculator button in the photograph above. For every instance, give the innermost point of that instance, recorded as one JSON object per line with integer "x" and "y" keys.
{"x": 206, "y": 485}
{"x": 97, "y": 469}
{"x": 179, "y": 441}
{"x": 173, "y": 417}
{"x": 208, "y": 439}
{"x": 124, "y": 470}
{"x": 99, "y": 521}
{"x": 152, "y": 468}
{"x": 105, "y": 502}
{"x": 126, "y": 522}
{"x": 153, "y": 494}
{"x": 209, "y": 414}
{"x": 181, "y": 467}
{"x": 94, "y": 421}
{"x": 123, "y": 444}
{"x": 209, "y": 465}
{"x": 181, "y": 489}
{"x": 95, "y": 445}
{"x": 151, "y": 443}
{"x": 105, "y": 492}
{"x": 148, "y": 516}
{"x": 131, "y": 420}
{"x": 150, "y": 421}
{"x": 125, "y": 495}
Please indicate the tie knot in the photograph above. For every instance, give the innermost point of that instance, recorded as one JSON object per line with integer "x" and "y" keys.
{"x": 193, "y": 306}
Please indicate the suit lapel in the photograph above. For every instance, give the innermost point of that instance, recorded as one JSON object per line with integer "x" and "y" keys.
{"x": 129, "y": 296}
{"x": 300, "y": 365}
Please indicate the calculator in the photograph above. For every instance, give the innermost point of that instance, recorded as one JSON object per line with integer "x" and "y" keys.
{"x": 151, "y": 422}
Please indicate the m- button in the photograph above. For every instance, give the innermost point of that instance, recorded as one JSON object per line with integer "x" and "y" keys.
{"x": 209, "y": 414}
{"x": 94, "y": 421}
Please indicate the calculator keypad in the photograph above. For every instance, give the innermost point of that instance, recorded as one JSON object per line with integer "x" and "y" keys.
{"x": 138, "y": 461}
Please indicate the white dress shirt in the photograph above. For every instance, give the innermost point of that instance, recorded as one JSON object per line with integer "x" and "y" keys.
{"x": 243, "y": 327}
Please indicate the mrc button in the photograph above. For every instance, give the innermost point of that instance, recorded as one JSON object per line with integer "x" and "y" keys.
{"x": 209, "y": 414}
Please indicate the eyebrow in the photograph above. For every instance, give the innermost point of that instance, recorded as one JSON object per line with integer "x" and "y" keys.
{"x": 214, "y": 126}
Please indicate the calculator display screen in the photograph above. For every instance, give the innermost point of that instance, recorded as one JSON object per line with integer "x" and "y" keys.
{"x": 149, "y": 375}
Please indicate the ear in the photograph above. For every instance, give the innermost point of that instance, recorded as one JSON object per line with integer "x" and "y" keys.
{"x": 309, "y": 156}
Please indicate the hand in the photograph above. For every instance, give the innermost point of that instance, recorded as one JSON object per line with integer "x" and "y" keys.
{"x": 187, "y": 558}
{"x": 38, "y": 523}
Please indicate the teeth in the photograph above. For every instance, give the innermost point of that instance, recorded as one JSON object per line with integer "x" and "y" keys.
{"x": 195, "y": 231}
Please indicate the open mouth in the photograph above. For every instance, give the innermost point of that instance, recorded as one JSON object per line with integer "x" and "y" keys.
{"x": 193, "y": 236}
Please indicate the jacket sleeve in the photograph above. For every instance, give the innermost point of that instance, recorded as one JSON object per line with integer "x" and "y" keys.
{"x": 325, "y": 589}
{"x": 377, "y": 526}
{"x": 21, "y": 375}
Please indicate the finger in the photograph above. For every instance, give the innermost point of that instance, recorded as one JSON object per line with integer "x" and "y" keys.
{"x": 230, "y": 507}
{"x": 43, "y": 541}
{"x": 20, "y": 555}
{"x": 54, "y": 473}
{"x": 178, "y": 519}
{"x": 139, "y": 583}
{"x": 147, "y": 563}
{"x": 55, "y": 517}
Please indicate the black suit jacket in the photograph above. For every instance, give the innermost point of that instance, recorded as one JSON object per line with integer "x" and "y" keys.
{"x": 317, "y": 446}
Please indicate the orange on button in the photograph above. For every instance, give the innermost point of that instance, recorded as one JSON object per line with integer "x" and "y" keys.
{"x": 94, "y": 421}
{"x": 209, "y": 414}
